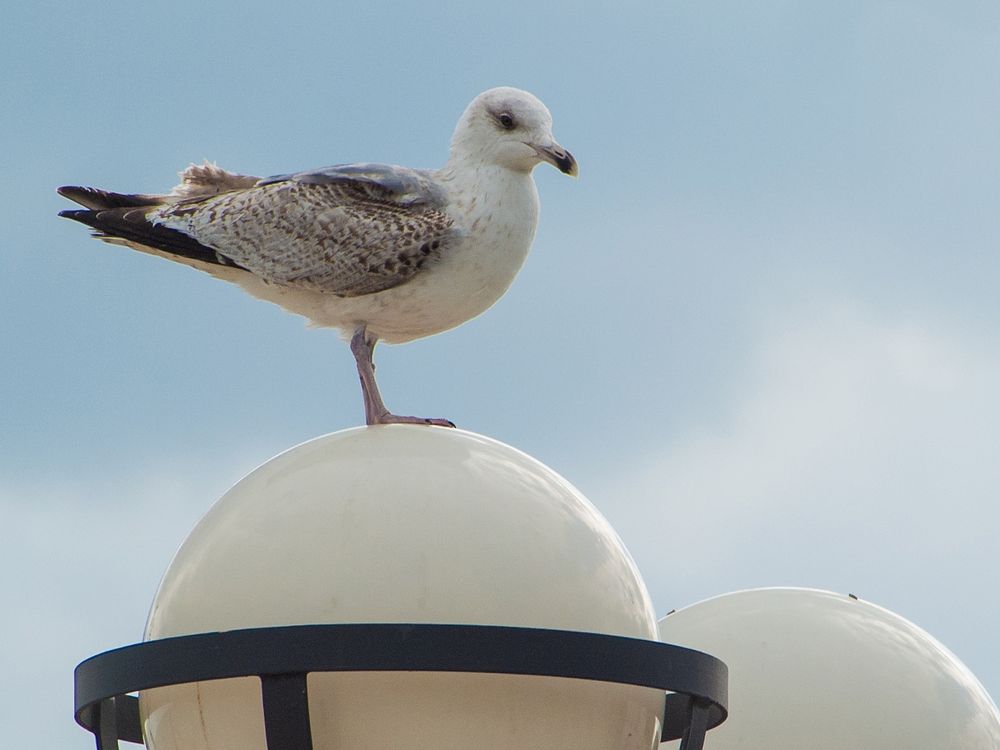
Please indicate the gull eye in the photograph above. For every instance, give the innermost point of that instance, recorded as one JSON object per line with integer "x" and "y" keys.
{"x": 506, "y": 120}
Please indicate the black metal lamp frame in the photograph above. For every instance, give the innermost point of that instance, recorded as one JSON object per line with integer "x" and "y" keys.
{"x": 282, "y": 657}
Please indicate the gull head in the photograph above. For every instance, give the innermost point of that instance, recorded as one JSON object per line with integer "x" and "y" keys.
{"x": 509, "y": 128}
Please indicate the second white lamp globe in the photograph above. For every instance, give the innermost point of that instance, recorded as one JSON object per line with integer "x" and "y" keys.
{"x": 406, "y": 524}
{"x": 824, "y": 671}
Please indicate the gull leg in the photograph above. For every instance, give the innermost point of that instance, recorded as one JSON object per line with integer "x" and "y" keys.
{"x": 363, "y": 349}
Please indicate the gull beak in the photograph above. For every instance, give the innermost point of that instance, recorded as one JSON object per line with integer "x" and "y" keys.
{"x": 558, "y": 157}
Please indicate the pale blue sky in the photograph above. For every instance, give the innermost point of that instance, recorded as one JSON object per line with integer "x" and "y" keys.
{"x": 759, "y": 332}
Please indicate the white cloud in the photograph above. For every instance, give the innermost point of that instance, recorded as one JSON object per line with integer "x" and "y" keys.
{"x": 860, "y": 454}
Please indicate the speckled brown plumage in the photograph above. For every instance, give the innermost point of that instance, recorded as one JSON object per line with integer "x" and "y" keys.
{"x": 339, "y": 238}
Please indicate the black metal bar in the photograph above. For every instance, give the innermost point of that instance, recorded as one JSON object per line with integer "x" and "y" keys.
{"x": 694, "y": 734}
{"x": 107, "y": 729}
{"x": 127, "y": 714}
{"x": 676, "y": 715}
{"x": 286, "y": 711}
{"x": 403, "y": 647}
{"x": 298, "y": 650}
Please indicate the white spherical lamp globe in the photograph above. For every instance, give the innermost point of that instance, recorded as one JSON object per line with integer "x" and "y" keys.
{"x": 406, "y": 524}
{"x": 813, "y": 669}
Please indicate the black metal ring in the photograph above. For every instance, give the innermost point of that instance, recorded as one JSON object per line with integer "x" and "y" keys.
{"x": 102, "y": 682}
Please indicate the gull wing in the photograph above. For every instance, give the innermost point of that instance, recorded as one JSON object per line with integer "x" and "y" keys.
{"x": 348, "y": 230}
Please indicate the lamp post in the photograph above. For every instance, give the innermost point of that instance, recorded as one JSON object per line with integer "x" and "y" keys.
{"x": 401, "y": 587}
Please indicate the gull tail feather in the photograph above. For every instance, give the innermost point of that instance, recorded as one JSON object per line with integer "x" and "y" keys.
{"x": 197, "y": 181}
{"x": 95, "y": 198}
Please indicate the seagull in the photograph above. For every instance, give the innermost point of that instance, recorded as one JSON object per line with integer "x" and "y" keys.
{"x": 380, "y": 252}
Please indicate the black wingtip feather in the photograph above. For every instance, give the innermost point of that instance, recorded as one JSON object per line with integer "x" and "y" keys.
{"x": 130, "y": 224}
